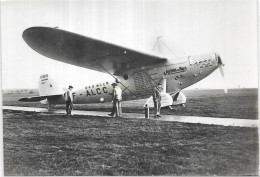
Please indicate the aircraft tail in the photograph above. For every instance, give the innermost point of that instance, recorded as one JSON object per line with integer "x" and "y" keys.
{"x": 48, "y": 87}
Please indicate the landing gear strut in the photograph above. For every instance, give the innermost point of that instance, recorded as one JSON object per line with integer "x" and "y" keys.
{"x": 182, "y": 105}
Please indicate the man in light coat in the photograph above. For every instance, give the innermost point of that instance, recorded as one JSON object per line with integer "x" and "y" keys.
{"x": 116, "y": 99}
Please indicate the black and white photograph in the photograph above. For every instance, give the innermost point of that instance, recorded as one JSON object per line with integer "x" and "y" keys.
{"x": 129, "y": 87}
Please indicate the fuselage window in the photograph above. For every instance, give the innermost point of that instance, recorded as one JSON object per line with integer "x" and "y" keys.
{"x": 125, "y": 76}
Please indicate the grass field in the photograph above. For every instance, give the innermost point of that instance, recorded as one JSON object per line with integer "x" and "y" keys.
{"x": 43, "y": 144}
{"x": 37, "y": 144}
{"x": 238, "y": 103}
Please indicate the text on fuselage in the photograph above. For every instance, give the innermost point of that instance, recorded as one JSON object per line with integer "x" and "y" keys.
{"x": 175, "y": 70}
{"x": 96, "y": 91}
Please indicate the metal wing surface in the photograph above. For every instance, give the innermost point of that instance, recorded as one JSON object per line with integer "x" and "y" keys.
{"x": 86, "y": 52}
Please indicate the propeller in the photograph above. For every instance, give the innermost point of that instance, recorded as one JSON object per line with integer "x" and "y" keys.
{"x": 220, "y": 66}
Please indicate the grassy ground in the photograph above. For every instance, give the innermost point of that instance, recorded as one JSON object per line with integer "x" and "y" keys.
{"x": 238, "y": 103}
{"x": 45, "y": 144}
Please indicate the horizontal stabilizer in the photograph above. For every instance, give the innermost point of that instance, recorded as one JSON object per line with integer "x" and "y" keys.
{"x": 41, "y": 98}
{"x": 33, "y": 99}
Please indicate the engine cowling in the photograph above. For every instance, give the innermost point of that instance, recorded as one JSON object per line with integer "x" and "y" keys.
{"x": 168, "y": 100}
{"x": 178, "y": 99}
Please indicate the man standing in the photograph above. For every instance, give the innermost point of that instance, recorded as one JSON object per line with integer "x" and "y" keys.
{"x": 69, "y": 100}
{"x": 157, "y": 100}
{"x": 116, "y": 100}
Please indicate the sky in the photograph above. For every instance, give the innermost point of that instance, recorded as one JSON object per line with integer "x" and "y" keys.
{"x": 187, "y": 27}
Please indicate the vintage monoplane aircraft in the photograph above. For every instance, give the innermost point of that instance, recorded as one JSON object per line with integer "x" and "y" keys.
{"x": 137, "y": 72}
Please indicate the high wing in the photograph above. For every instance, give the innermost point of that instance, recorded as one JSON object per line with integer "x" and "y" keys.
{"x": 86, "y": 52}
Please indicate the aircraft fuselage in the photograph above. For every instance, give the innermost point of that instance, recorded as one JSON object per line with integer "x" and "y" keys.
{"x": 139, "y": 83}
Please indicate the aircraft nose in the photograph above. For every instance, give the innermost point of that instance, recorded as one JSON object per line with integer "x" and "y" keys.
{"x": 221, "y": 69}
{"x": 219, "y": 60}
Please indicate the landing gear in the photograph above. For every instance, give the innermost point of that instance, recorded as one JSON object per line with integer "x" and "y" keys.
{"x": 181, "y": 105}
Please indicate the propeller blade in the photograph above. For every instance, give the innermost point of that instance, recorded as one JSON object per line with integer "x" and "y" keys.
{"x": 220, "y": 66}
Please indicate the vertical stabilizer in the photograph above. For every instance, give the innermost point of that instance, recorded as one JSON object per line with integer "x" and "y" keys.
{"x": 48, "y": 87}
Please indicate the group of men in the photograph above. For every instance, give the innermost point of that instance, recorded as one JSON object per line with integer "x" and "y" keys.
{"x": 116, "y": 100}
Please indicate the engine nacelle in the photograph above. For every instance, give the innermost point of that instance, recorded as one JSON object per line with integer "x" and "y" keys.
{"x": 168, "y": 100}
{"x": 45, "y": 101}
{"x": 178, "y": 99}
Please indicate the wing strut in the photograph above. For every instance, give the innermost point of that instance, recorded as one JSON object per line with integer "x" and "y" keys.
{"x": 114, "y": 77}
{"x": 154, "y": 81}
{"x": 151, "y": 78}
{"x": 158, "y": 39}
